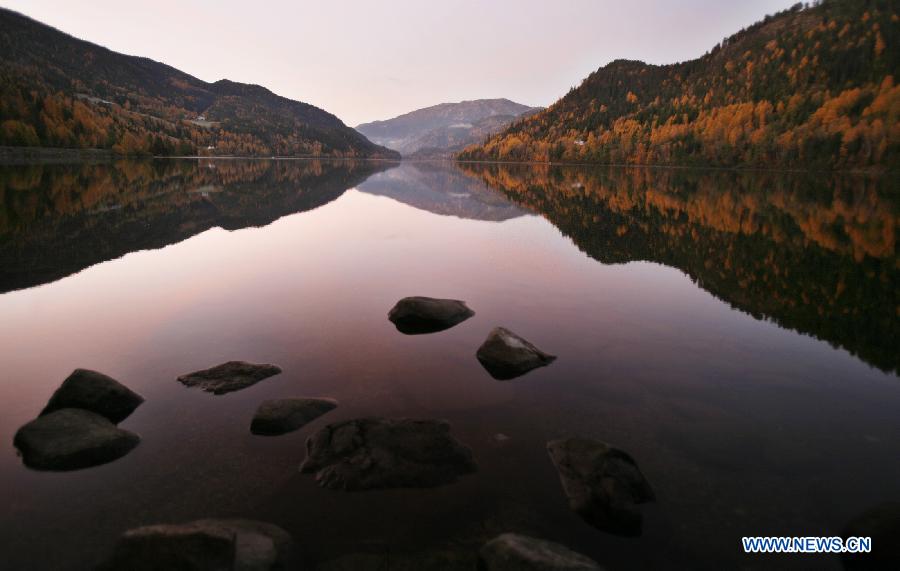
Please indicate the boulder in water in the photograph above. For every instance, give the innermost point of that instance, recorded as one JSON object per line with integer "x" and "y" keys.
{"x": 370, "y": 453}
{"x": 96, "y": 392}
{"x": 603, "y": 484}
{"x": 72, "y": 438}
{"x": 514, "y": 552}
{"x": 228, "y": 377}
{"x": 394, "y": 560}
{"x": 506, "y": 356}
{"x": 417, "y": 315}
{"x": 204, "y": 545}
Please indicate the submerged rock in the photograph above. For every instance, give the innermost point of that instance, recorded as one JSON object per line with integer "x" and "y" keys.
{"x": 505, "y": 355}
{"x": 369, "y": 453}
{"x": 417, "y": 315}
{"x": 208, "y": 544}
{"x": 228, "y": 377}
{"x": 514, "y": 552}
{"x": 393, "y": 560}
{"x": 603, "y": 484}
{"x": 882, "y": 524}
{"x": 97, "y": 393}
{"x": 72, "y": 438}
{"x": 279, "y": 416}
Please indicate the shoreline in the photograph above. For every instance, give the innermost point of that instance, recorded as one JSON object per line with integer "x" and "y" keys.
{"x": 12, "y": 156}
{"x": 49, "y": 155}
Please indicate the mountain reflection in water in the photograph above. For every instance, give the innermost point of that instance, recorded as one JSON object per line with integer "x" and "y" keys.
{"x": 691, "y": 313}
{"x": 442, "y": 189}
{"x": 813, "y": 253}
{"x": 56, "y": 220}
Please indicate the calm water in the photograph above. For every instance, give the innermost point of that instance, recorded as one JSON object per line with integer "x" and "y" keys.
{"x": 737, "y": 333}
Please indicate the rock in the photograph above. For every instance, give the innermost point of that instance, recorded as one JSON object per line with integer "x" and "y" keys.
{"x": 97, "y": 393}
{"x": 228, "y": 377}
{"x": 284, "y": 415}
{"x": 505, "y": 355}
{"x": 603, "y": 484}
{"x": 514, "y": 552}
{"x": 417, "y": 315}
{"x": 882, "y": 524}
{"x": 356, "y": 562}
{"x": 72, "y": 438}
{"x": 369, "y": 453}
{"x": 393, "y": 560}
{"x": 207, "y": 544}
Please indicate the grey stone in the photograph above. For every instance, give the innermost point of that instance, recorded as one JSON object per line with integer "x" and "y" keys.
{"x": 417, "y": 315}
{"x": 514, "y": 552}
{"x": 204, "y": 545}
{"x": 369, "y": 453}
{"x": 228, "y": 377}
{"x": 97, "y": 393}
{"x": 603, "y": 484}
{"x": 279, "y": 416}
{"x": 401, "y": 561}
{"x": 72, "y": 438}
{"x": 506, "y": 356}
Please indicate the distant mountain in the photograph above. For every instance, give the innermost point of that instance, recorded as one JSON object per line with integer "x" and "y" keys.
{"x": 446, "y": 142}
{"x": 808, "y": 87}
{"x": 444, "y": 127}
{"x": 59, "y": 91}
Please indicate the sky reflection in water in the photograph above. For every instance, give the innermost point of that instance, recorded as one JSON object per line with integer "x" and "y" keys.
{"x": 734, "y": 332}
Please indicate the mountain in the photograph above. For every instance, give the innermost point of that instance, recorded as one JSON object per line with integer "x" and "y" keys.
{"x": 809, "y": 87}
{"x": 445, "y": 126}
{"x": 446, "y": 142}
{"x": 59, "y": 91}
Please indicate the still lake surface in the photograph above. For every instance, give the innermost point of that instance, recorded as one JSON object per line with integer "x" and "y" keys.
{"x": 735, "y": 332}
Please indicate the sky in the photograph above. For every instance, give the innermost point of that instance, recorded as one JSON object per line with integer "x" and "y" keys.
{"x": 368, "y": 60}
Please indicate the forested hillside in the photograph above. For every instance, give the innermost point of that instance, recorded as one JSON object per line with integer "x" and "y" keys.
{"x": 59, "y": 91}
{"x": 810, "y": 87}
{"x": 445, "y": 142}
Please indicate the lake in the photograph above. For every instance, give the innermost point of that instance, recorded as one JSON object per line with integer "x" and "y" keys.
{"x": 736, "y": 332}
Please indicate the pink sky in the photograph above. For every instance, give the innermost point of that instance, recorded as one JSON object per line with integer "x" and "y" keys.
{"x": 373, "y": 60}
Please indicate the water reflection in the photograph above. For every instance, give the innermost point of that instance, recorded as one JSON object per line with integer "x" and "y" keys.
{"x": 742, "y": 426}
{"x": 56, "y": 220}
{"x": 813, "y": 253}
{"x": 442, "y": 189}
